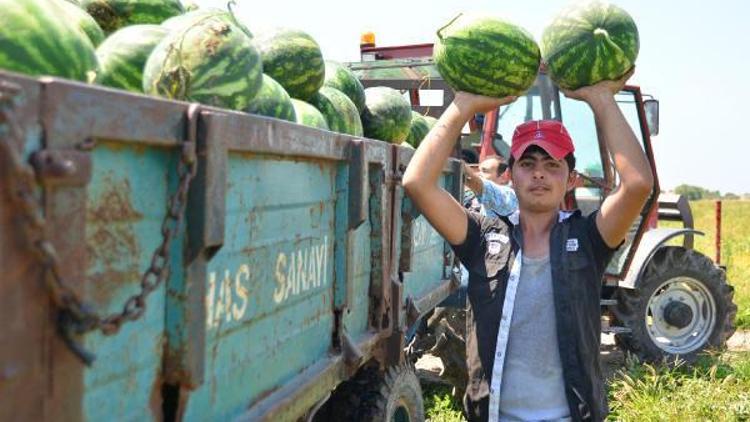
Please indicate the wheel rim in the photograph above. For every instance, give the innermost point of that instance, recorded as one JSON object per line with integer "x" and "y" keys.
{"x": 401, "y": 414}
{"x": 691, "y": 293}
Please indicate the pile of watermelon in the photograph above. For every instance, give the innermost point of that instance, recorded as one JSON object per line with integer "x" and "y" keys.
{"x": 175, "y": 50}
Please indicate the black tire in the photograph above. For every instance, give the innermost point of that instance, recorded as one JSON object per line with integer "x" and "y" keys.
{"x": 676, "y": 275}
{"x": 374, "y": 396}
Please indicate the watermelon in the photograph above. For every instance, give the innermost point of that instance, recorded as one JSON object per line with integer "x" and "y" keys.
{"x": 212, "y": 62}
{"x": 343, "y": 79}
{"x": 82, "y": 20}
{"x": 34, "y": 40}
{"x": 115, "y": 14}
{"x": 123, "y": 55}
{"x": 192, "y": 17}
{"x": 339, "y": 111}
{"x": 487, "y": 56}
{"x": 272, "y": 101}
{"x": 294, "y": 60}
{"x": 420, "y": 126}
{"x": 387, "y": 115}
{"x": 308, "y": 115}
{"x": 589, "y": 43}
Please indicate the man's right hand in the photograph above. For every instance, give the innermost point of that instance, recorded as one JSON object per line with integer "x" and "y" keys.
{"x": 469, "y": 104}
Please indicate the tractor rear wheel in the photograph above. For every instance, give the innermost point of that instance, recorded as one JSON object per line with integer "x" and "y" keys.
{"x": 682, "y": 306}
{"x": 391, "y": 396}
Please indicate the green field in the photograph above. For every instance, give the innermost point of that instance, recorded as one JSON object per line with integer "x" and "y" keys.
{"x": 717, "y": 387}
{"x": 735, "y": 247}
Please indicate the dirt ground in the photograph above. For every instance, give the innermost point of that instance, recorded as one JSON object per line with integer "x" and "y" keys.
{"x": 429, "y": 367}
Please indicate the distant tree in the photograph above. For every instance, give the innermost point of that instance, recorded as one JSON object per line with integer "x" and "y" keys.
{"x": 692, "y": 193}
{"x": 730, "y": 195}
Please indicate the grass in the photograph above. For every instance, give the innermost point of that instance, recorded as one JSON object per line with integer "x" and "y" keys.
{"x": 440, "y": 406}
{"x": 716, "y": 388}
{"x": 735, "y": 247}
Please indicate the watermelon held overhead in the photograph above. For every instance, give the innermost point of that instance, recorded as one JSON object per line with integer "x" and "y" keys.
{"x": 420, "y": 126}
{"x": 211, "y": 62}
{"x": 294, "y": 60}
{"x": 387, "y": 115}
{"x": 122, "y": 56}
{"x": 82, "y": 20}
{"x": 35, "y": 41}
{"x": 115, "y": 14}
{"x": 487, "y": 56}
{"x": 343, "y": 79}
{"x": 588, "y": 43}
{"x": 272, "y": 101}
{"x": 308, "y": 115}
{"x": 339, "y": 111}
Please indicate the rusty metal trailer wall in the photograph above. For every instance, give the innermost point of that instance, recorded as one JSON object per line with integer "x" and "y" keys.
{"x": 283, "y": 281}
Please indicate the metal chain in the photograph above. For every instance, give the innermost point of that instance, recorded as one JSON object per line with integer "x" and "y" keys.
{"x": 73, "y": 313}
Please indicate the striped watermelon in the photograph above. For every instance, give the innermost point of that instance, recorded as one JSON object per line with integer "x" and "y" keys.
{"x": 79, "y": 18}
{"x": 196, "y": 15}
{"x": 308, "y": 115}
{"x": 294, "y": 60}
{"x": 487, "y": 56}
{"x": 387, "y": 115}
{"x": 123, "y": 55}
{"x": 589, "y": 43}
{"x": 339, "y": 111}
{"x": 272, "y": 101}
{"x": 420, "y": 126}
{"x": 211, "y": 62}
{"x": 34, "y": 40}
{"x": 343, "y": 79}
{"x": 115, "y": 14}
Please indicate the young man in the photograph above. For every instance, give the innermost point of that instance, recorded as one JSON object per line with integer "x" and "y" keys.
{"x": 533, "y": 317}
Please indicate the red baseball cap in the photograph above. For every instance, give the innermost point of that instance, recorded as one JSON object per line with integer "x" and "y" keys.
{"x": 550, "y": 135}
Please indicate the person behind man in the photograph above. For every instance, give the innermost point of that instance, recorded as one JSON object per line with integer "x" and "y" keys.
{"x": 490, "y": 189}
{"x": 533, "y": 317}
{"x": 494, "y": 168}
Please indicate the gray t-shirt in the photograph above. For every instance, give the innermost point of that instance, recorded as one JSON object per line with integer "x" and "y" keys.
{"x": 533, "y": 386}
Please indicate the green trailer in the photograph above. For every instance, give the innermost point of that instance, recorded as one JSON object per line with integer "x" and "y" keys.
{"x": 171, "y": 261}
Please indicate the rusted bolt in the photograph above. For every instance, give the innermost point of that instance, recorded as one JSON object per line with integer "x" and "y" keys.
{"x": 62, "y": 167}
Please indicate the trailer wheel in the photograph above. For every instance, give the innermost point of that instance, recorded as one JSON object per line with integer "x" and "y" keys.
{"x": 682, "y": 307}
{"x": 374, "y": 396}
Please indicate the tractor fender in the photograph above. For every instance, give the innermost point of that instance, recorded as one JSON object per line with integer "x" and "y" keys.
{"x": 651, "y": 241}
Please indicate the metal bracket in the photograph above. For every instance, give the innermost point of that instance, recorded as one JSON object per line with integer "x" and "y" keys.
{"x": 62, "y": 167}
{"x": 352, "y": 354}
{"x": 357, "y": 178}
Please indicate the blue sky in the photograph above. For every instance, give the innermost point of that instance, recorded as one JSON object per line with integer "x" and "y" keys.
{"x": 694, "y": 59}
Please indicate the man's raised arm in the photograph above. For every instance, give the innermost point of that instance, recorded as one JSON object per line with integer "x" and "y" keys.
{"x": 621, "y": 207}
{"x": 420, "y": 180}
